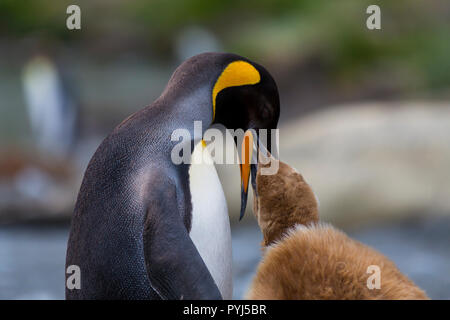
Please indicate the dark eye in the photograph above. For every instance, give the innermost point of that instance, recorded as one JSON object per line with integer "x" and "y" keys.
{"x": 265, "y": 112}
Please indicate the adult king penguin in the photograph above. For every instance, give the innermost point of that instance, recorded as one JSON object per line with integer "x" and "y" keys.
{"x": 142, "y": 228}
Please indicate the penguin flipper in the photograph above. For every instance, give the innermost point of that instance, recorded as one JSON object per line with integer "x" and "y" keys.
{"x": 175, "y": 268}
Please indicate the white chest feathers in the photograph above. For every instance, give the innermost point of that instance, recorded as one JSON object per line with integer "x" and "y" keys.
{"x": 210, "y": 228}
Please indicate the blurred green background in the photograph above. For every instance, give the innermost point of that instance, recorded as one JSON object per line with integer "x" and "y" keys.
{"x": 320, "y": 52}
{"x": 365, "y": 117}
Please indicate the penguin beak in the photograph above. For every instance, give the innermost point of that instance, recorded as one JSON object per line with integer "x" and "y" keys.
{"x": 246, "y": 169}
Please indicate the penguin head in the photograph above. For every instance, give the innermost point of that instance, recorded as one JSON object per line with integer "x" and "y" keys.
{"x": 245, "y": 96}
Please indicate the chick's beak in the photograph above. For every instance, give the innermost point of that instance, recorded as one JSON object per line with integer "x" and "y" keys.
{"x": 246, "y": 169}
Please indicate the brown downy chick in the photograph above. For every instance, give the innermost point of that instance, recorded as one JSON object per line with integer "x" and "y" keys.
{"x": 305, "y": 259}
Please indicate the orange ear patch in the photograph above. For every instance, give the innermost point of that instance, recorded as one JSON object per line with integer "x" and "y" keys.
{"x": 237, "y": 73}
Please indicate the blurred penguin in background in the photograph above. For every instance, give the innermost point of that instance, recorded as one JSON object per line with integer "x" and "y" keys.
{"x": 41, "y": 181}
{"x": 51, "y": 107}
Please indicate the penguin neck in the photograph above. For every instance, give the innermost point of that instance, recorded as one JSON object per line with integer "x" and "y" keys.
{"x": 192, "y": 111}
{"x": 189, "y": 112}
{"x": 191, "y": 106}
